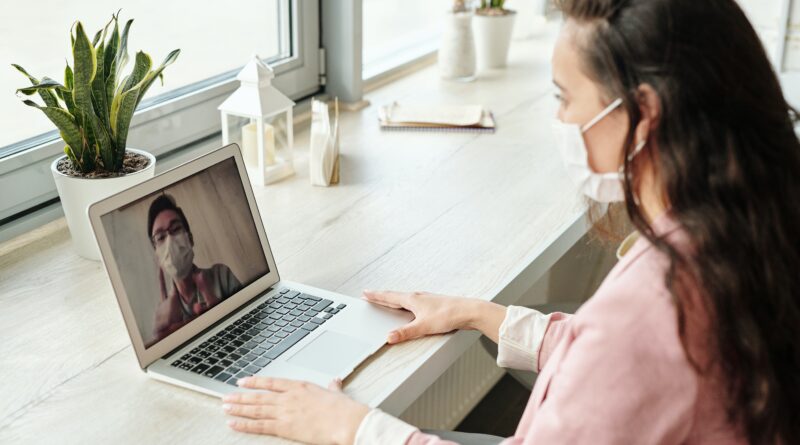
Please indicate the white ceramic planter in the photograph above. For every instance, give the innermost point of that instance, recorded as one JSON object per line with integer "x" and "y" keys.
{"x": 77, "y": 194}
{"x": 492, "y": 39}
{"x": 457, "y": 52}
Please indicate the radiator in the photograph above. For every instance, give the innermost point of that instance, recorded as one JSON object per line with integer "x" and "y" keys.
{"x": 448, "y": 401}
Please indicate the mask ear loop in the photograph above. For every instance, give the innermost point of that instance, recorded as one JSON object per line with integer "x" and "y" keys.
{"x": 636, "y": 150}
{"x": 639, "y": 146}
{"x": 602, "y": 114}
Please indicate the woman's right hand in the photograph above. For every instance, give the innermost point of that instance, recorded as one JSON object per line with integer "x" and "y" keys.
{"x": 433, "y": 314}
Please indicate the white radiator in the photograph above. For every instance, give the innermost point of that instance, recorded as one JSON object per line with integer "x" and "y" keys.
{"x": 448, "y": 401}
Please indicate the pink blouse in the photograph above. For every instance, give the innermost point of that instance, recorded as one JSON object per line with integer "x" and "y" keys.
{"x": 613, "y": 373}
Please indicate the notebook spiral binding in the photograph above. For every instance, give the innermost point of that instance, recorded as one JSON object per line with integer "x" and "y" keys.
{"x": 440, "y": 129}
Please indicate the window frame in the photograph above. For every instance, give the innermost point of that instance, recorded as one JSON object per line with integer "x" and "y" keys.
{"x": 420, "y": 53}
{"x": 162, "y": 126}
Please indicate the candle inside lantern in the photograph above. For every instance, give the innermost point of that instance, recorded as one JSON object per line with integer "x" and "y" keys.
{"x": 250, "y": 144}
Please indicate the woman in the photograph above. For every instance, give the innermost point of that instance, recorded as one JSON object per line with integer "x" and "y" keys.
{"x": 694, "y": 337}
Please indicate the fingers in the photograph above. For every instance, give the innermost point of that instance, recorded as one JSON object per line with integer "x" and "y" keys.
{"x": 250, "y": 411}
{"x": 271, "y": 384}
{"x": 387, "y": 298}
{"x": 335, "y": 385}
{"x": 251, "y": 398}
{"x": 262, "y": 426}
{"x": 389, "y": 305}
{"x": 408, "y": 332}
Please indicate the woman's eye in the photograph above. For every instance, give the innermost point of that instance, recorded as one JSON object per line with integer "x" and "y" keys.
{"x": 559, "y": 97}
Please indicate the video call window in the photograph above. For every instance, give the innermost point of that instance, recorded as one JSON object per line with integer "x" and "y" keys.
{"x": 182, "y": 250}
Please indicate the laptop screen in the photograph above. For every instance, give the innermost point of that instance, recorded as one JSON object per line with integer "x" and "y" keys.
{"x": 183, "y": 249}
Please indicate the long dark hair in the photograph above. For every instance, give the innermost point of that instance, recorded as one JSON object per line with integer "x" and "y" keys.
{"x": 728, "y": 161}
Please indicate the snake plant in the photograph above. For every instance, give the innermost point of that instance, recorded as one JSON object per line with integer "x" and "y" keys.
{"x": 94, "y": 106}
{"x": 491, "y": 4}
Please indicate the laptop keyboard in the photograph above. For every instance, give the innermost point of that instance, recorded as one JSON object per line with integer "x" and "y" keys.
{"x": 257, "y": 338}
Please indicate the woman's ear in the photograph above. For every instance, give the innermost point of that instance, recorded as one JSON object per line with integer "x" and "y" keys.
{"x": 650, "y": 110}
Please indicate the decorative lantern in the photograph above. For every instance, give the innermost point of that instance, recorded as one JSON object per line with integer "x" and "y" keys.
{"x": 265, "y": 117}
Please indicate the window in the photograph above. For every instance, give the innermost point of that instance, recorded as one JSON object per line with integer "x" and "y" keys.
{"x": 215, "y": 38}
{"x": 395, "y": 32}
{"x": 777, "y": 24}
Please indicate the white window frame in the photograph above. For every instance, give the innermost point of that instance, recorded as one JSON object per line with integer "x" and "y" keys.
{"x": 28, "y": 196}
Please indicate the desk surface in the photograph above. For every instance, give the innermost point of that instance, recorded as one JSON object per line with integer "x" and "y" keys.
{"x": 483, "y": 215}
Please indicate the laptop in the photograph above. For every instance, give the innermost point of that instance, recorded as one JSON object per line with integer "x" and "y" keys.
{"x": 202, "y": 299}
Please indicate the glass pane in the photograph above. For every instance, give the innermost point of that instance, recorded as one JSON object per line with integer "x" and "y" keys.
{"x": 766, "y": 17}
{"x": 392, "y": 27}
{"x": 214, "y": 37}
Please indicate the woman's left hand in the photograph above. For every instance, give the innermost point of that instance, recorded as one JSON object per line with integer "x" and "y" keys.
{"x": 295, "y": 410}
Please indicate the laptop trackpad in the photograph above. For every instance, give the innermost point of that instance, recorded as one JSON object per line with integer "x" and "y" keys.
{"x": 331, "y": 353}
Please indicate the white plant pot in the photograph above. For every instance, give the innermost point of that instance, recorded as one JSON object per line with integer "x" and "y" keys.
{"x": 492, "y": 39}
{"x": 77, "y": 194}
{"x": 457, "y": 52}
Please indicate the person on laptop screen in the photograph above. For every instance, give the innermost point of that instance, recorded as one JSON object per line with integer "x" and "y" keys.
{"x": 186, "y": 289}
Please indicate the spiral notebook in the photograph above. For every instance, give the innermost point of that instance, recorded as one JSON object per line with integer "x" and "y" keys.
{"x": 468, "y": 118}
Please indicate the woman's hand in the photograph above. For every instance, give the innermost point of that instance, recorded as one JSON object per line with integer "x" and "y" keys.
{"x": 439, "y": 314}
{"x": 295, "y": 410}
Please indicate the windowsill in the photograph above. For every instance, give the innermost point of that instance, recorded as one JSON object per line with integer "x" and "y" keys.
{"x": 52, "y": 210}
{"x": 377, "y": 75}
{"x": 389, "y": 68}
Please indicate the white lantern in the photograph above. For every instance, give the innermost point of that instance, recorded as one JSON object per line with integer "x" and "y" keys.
{"x": 266, "y": 133}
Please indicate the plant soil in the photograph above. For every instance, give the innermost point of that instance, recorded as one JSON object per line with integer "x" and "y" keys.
{"x": 494, "y": 12}
{"x": 132, "y": 163}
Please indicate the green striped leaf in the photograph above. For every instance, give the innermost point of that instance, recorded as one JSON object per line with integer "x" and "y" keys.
{"x": 99, "y": 88}
{"x": 67, "y": 126}
{"x": 140, "y": 69}
{"x": 45, "y": 84}
{"x": 85, "y": 67}
{"x": 96, "y": 38}
{"x": 25, "y": 73}
{"x": 50, "y": 96}
{"x": 70, "y": 155}
{"x": 157, "y": 73}
{"x": 110, "y": 61}
{"x": 69, "y": 103}
{"x": 46, "y": 95}
{"x": 103, "y": 145}
{"x": 124, "y": 114}
{"x": 122, "y": 54}
{"x": 66, "y": 96}
{"x": 68, "y": 77}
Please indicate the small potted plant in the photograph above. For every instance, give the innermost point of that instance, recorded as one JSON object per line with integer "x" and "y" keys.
{"x": 457, "y": 51}
{"x": 493, "y": 26}
{"x": 92, "y": 111}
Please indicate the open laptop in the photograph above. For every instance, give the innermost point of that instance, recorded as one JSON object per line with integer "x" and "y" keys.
{"x": 202, "y": 299}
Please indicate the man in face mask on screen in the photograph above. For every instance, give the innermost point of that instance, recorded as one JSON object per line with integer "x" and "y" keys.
{"x": 186, "y": 290}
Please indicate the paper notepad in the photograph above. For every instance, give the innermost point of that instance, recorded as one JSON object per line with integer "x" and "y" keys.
{"x": 436, "y": 118}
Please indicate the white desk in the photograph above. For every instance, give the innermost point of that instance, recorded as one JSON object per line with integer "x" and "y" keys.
{"x": 478, "y": 215}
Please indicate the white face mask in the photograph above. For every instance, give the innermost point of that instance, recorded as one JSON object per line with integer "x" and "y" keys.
{"x": 601, "y": 187}
{"x": 175, "y": 255}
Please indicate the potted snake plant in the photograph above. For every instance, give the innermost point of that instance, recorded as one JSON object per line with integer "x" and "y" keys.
{"x": 92, "y": 111}
{"x": 457, "y": 50}
{"x": 493, "y": 26}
